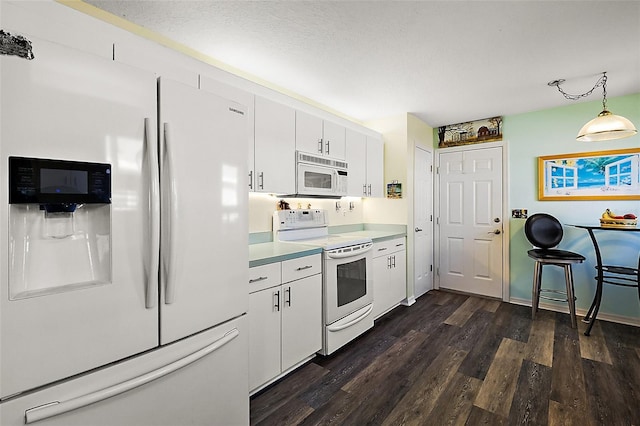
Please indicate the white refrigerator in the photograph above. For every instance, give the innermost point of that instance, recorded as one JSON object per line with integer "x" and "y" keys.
{"x": 133, "y": 312}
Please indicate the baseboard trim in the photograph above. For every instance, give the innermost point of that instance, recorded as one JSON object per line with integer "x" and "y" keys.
{"x": 620, "y": 319}
{"x": 408, "y": 301}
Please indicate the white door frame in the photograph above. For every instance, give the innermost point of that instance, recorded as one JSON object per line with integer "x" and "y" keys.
{"x": 506, "y": 215}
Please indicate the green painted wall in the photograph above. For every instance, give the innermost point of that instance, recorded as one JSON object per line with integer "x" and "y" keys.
{"x": 550, "y": 132}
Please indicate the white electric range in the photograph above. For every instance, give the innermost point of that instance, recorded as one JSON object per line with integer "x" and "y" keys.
{"x": 346, "y": 273}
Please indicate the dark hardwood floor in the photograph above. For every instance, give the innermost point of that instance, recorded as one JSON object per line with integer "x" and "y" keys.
{"x": 457, "y": 359}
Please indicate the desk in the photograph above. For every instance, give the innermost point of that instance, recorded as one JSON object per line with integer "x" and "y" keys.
{"x": 609, "y": 274}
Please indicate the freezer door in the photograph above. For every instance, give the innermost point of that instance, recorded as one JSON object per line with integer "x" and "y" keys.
{"x": 73, "y": 289}
{"x": 204, "y": 255}
{"x": 201, "y": 380}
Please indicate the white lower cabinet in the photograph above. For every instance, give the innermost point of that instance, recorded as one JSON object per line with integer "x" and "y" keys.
{"x": 285, "y": 317}
{"x": 389, "y": 275}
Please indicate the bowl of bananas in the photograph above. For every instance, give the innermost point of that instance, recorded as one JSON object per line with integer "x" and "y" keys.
{"x": 611, "y": 219}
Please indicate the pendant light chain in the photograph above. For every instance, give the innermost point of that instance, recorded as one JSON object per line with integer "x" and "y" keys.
{"x": 606, "y": 126}
{"x": 602, "y": 82}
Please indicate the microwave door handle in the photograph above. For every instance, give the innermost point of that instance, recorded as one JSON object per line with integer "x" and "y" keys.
{"x": 154, "y": 218}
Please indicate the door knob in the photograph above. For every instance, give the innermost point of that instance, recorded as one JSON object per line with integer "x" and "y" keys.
{"x": 497, "y": 232}
{"x": 418, "y": 229}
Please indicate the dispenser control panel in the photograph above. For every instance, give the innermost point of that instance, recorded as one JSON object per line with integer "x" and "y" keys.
{"x": 58, "y": 182}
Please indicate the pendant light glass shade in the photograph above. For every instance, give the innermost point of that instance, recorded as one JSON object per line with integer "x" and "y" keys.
{"x": 606, "y": 126}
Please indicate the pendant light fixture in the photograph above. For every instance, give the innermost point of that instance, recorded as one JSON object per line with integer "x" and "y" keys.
{"x": 606, "y": 126}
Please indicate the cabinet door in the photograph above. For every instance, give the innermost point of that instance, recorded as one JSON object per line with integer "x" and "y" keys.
{"x": 275, "y": 146}
{"x": 375, "y": 167}
{"x": 333, "y": 136}
{"x": 301, "y": 320}
{"x": 380, "y": 284}
{"x": 264, "y": 335}
{"x": 398, "y": 277}
{"x": 309, "y": 133}
{"x": 356, "y": 148}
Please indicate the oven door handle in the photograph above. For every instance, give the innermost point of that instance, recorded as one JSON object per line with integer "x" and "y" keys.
{"x": 355, "y": 253}
{"x": 352, "y": 322}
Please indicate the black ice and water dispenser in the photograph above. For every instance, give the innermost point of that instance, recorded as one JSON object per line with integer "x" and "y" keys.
{"x": 59, "y": 225}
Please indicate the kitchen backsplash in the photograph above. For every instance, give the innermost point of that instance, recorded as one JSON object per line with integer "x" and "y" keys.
{"x": 346, "y": 211}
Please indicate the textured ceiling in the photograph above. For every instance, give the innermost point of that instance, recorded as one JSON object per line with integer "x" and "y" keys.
{"x": 444, "y": 61}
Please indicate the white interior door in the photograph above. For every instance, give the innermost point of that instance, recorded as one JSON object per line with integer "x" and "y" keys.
{"x": 423, "y": 221}
{"x": 470, "y": 221}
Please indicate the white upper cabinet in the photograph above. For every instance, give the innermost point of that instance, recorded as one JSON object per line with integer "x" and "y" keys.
{"x": 309, "y": 133}
{"x": 364, "y": 155}
{"x": 334, "y": 140}
{"x": 375, "y": 167}
{"x": 317, "y": 136}
{"x": 356, "y": 153}
{"x": 274, "y": 168}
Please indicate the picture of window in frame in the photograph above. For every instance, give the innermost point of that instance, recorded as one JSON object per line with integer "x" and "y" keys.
{"x": 599, "y": 175}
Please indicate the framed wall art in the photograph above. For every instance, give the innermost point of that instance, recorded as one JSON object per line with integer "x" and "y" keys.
{"x": 599, "y": 175}
{"x": 394, "y": 189}
{"x": 470, "y": 132}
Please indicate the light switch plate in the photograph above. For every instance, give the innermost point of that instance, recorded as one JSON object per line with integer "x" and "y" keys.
{"x": 519, "y": 213}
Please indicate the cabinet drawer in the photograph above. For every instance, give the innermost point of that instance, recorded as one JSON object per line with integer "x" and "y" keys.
{"x": 301, "y": 267}
{"x": 383, "y": 248}
{"x": 264, "y": 276}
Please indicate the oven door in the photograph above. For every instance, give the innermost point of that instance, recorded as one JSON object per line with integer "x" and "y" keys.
{"x": 316, "y": 180}
{"x": 347, "y": 282}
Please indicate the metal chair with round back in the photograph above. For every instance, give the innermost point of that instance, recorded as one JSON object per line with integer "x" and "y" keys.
{"x": 545, "y": 232}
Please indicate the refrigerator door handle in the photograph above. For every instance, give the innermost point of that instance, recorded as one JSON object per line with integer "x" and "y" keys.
{"x": 56, "y": 408}
{"x": 170, "y": 223}
{"x": 154, "y": 216}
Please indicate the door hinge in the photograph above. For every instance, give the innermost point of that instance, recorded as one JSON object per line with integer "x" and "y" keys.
{"x": 430, "y": 268}
{"x": 438, "y": 170}
{"x": 430, "y": 218}
{"x": 431, "y": 168}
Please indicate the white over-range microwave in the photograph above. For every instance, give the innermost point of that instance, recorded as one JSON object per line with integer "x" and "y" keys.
{"x": 319, "y": 176}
